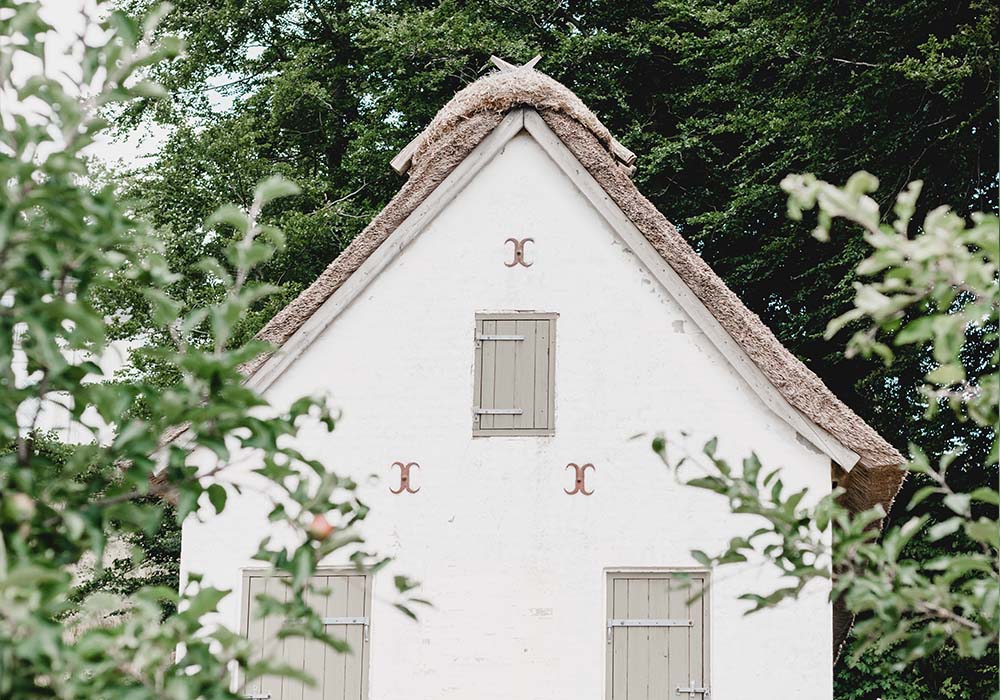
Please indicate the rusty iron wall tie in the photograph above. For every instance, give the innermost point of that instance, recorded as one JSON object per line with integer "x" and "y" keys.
{"x": 404, "y": 477}
{"x": 519, "y": 252}
{"x": 580, "y": 485}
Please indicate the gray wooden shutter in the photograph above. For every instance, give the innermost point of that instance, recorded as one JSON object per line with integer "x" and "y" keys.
{"x": 338, "y": 676}
{"x": 513, "y": 380}
{"x": 657, "y": 636}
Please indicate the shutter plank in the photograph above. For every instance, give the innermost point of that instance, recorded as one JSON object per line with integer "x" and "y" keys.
{"x": 503, "y": 390}
{"x": 477, "y": 379}
{"x": 524, "y": 378}
{"x": 619, "y": 680}
{"x": 353, "y": 666}
{"x": 659, "y": 609}
{"x": 487, "y": 395}
{"x": 543, "y": 329}
{"x": 638, "y": 640}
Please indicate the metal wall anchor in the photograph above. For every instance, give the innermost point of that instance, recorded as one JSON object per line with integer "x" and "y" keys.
{"x": 519, "y": 252}
{"x": 580, "y": 486}
{"x": 404, "y": 477}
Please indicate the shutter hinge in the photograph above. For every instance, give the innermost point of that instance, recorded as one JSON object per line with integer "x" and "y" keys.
{"x": 480, "y": 338}
{"x": 499, "y": 337}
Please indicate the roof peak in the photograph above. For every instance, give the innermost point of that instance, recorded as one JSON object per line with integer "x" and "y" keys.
{"x": 506, "y": 66}
{"x": 508, "y": 88}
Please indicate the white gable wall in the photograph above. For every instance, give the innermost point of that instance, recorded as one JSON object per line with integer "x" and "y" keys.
{"x": 514, "y": 566}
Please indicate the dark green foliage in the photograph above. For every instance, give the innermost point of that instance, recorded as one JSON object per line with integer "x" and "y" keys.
{"x": 941, "y": 677}
{"x": 140, "y": 558}
{"x": 719, "y": 99}
{"x": 146, "y": 559}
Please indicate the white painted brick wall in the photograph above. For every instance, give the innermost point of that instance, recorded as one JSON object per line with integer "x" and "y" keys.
{"x": 514, "y": 566}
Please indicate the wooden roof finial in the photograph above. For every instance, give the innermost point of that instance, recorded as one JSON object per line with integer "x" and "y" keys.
{"x": 505, "y": 66}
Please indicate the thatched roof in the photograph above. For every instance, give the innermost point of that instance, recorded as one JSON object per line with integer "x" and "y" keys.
{"x": 478, "y": 109}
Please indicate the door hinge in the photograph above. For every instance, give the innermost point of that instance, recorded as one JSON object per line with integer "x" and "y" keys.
{"x": 642, "y": 622}
{"x": 348, "y": 621}
{"x": 694, "y": 690}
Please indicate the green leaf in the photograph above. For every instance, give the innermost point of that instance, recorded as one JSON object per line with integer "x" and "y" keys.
{"x": 217, "y": 497}
{"x": 711, "y": 483}
{"x": 922, "y": 494}
{"x": 984, "y": 530}
{"x": 702, "y": 558}
{"x": 164, "y": 309}
{"x": 958, "y": 502}
{"x": 710, "y": 447}
{"x": 947, "y": 374}
{"x": 274, "y": 187}
{"x": 147, "y": 88}
{"x": 985, "y": 494}
{"x": 943, "y": 529}
{"x": 231, "y": 216}
{"x": 659, "y": 445}
{"x": 205, "y": 601}
{"x": 917, "y": 330}
{"x": 751, "y": 468}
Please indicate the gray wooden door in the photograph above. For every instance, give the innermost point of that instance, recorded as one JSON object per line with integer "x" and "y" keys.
{"x": 657, "y": 636}
{"x": 346, "y": 607}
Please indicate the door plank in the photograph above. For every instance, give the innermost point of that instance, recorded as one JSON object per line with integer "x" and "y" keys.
{"x": 659, "y": 608}
{"x": 335, "y": 663}
{"x": 678, "y": 644}
{"x": 619, "y": 680}
{"x": 697, "y": 648}
{"x": 315, "y": 651}
{"x": 353, "y": 666}
{"x": 638, "y": 640}
{"x": 255, "y": 629}
{"x": 272, "y": 646}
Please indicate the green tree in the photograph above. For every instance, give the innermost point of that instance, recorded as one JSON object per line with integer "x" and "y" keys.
{"x": 934, "y": 284}
{"x": 721, "y": 99}
{"x": 62, "y": 244}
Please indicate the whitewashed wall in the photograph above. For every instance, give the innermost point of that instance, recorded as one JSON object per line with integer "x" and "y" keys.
{"x": 514, "y": 566}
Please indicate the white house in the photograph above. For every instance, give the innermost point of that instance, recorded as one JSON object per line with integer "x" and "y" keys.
{"x": 495, "y": 337}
